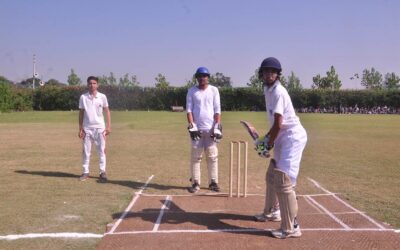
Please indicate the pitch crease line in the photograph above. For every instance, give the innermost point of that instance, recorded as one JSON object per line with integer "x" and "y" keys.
{"x": 348, "y": 205}
{"x": 131, "y": 204}
{"x": 361, "y": 213}
{"x": 253, "y": 230}
{"x": 50, "y": 235}
{"x": 164, "y": 206}
{"x": 319, "y": 186}
{"x": 224, "y": 195}
{"x": 328, "y": 213}
{"x": 313, "y": 205}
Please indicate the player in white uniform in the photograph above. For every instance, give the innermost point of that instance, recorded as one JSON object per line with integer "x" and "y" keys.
{"x": 288, "y": 138}
{"x": 92, "y": 127}
{"x": 204, "y": 117}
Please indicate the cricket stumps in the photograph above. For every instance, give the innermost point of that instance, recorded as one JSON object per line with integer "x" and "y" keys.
{"x": 238, "y": 168}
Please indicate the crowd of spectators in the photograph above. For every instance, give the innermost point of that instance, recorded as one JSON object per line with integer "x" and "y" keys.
{"x": 351, "y": 110}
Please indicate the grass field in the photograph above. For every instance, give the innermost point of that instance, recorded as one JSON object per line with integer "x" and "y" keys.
{"x": 40, "y": 155}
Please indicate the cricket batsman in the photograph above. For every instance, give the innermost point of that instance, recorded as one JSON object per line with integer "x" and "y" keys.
{"x": 204, "y": 117}
{"x": 92, "y": 128}
{"x": 287, "y": 138}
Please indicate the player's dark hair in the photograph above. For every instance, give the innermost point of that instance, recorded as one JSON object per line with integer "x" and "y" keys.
{"x": 92, "y": 78}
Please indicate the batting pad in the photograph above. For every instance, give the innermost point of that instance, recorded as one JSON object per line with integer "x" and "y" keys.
{"x": 271, "y": 200}
{"x": 196, "y": 155}
{"x": 287, "y": 199}
{"x": 212, "y": 163}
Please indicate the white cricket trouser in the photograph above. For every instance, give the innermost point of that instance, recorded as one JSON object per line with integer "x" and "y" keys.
{"x": 288, "y": 150}
{"x": 97, "y": 136}
{"x": 207, "y": 144}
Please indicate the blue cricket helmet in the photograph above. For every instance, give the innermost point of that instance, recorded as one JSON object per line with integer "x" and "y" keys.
{"x": 270, "y": 62}
{"x": 202, "y": 71}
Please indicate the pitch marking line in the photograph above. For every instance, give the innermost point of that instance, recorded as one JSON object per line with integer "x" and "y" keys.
{"x": 131, "y": 204}
{"x": 361, "y": 213}
{"x": 319, "y": 186}
{"x": 223, "y": 195}
{"x": 164, "y": 206}
{"x": 313, "y": 205}
{"x": 50, "y": 235}
{"x": 252, "y": 230}
{"x": 328, "y": 213}
{"x": 347, "y": 204}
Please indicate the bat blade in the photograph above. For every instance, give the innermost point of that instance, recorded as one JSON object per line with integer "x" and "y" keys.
{"x": 250, "y": 129}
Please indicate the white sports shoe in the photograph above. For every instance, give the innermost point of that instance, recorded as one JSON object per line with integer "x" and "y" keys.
{"x": 280, "y": 234}
{"x": 274, "y": 215}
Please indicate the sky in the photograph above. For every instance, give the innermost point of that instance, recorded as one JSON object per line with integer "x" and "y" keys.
{"x": 175, "y": 37}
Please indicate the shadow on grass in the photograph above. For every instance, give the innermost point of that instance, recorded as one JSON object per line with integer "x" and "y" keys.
{"x": 125, "y": 183}
{"x": 212, "y": 221}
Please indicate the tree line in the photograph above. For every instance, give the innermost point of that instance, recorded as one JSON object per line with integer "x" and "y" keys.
{"x": 154, "y": 98}
{"x": 370, "y": 79}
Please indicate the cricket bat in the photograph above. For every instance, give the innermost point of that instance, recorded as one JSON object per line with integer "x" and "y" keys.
{"x": 250, "y": 129}
{"x": 260, "y": 148}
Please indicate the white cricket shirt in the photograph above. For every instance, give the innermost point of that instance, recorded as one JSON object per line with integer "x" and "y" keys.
{"x": 278, "y": 101}
{"x": 203, "y": 104}
{"x": 93, "y": 106}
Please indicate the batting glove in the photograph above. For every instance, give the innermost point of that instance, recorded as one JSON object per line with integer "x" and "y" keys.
{"x": 216, "y": 132}
{"x": 261, "y": 146}
{"x": 194, "y": 132}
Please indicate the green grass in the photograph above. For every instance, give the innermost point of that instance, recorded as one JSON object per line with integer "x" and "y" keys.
{"x": 354, "y": 155}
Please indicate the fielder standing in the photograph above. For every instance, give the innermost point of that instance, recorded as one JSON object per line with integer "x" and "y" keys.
{"x": 92, "y": 128}
{"x": 288, "y": 138}
{"x": 204, "y": 117}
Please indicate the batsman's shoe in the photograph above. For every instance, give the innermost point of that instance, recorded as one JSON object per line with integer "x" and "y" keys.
{"x": 194, "y": 188}
{"x": 84, "y": 177}
{"x": 214, "y": 187}
{"x": 103, "y": 177}
{"x": 274, "y": 215}
{"x": 280, "y": 234}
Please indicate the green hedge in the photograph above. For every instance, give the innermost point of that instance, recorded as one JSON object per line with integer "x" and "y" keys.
{"x": 361, "y": 98}
{"x": 13, "y": 98}
{"x": 148, "y": 98}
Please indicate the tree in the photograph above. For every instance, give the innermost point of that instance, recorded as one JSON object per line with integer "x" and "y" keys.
{"x": 127, "y": 81}
{"x": 27, "y": 83}
{"x": 103, "y": 80}
{"x": 371, "y": 79}
{"x": 6, "y": 99}
{"x": 283, "y": 81}
{"x": 161, "y": 81}
{"x": 54, "y": 82}
{"x": 219, "y": 80}
{"x": 391, "y": 81}
{"x": 255, "y": 82}
{"x": 111, "y": 79}
{"x": 293, "y": 82}
{"x": 107, "y": 80}
{"x": 73, "y": 79}
{"x": 5, "y": 80}
{"x": 192, "y": 82}
{"x": 330, "y": 81}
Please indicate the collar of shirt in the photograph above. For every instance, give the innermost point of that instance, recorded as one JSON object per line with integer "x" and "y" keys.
{"x": 93, "y": 96}
{"x": 271, "y": 88}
